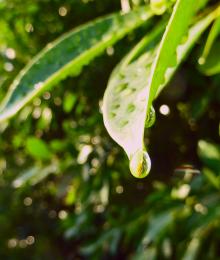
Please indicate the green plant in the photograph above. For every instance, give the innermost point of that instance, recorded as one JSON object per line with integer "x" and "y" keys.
{"x": 136, "y": 81}
{"x": 66, "y": 191}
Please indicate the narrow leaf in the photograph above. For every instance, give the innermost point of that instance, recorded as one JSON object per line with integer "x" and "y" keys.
{"x": 212, "y": 178}
{"x": 211, "y": 64}
{"x": 67, "y": 55}
{"x": 167, "y": 55}
{"x": 209, "y": 153}
{"x": 34, "y": 175}
{"x": 213, "y": 34}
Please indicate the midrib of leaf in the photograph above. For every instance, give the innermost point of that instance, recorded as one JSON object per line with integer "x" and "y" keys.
{"x": 120, "y": 26}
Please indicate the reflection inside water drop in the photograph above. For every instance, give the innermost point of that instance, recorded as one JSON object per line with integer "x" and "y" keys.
{"x": 140, "y": 164}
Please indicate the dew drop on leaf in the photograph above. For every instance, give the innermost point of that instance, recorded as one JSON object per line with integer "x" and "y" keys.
{"x": 151, "y": 118}
{"x": 140, "y": 164}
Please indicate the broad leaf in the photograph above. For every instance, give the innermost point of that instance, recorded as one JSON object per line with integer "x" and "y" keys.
{"x": 124, "y": 100}
{"x": 67, "y": 55}
{"x": 38, "y": 148}
{"x": 127, "y": 96}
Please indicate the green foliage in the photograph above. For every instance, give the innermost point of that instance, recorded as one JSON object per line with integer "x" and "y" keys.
{"x": 37, "y": 148}
{"x": 213, "y": 34}
{"x": 66, "y": 191}
{"x": 67, "y": 55}
{"x": 211, "y": 66}
{"x": 209, "y": 154}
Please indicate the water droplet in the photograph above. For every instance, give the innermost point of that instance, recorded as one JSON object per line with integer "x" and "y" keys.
{"x": 201, "y": 60}
{"x": 140, "y": 164}
{"x": 49, "y": 46}
{"x": 38, "y": 85}
{"x": 151, "y": 118}
{"x": 110, "y": 51}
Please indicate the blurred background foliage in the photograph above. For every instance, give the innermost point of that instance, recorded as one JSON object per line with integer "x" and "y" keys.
{"x": 65, "y": 187}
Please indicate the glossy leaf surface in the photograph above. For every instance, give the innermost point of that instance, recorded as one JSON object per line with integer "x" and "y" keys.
{"x": 67, "y": 55}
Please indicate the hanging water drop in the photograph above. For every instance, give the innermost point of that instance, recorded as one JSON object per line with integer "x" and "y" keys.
{"x": 151, "y": 118}
{"x": 140, "y": 164}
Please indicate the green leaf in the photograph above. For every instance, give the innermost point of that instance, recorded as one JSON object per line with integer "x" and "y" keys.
{"x": 158, "y": 225}
{"x": 38, "y": 148}
{"x": 34, "y": 175}
{"x": 192, "y": 249}
{"x": 209, "y": 153}
{"x": 67, "y": 55}
{"x": 58, "y": 145}
{"x": 213, "y": 34}
{"x": 211, "y": 65}
{"x": 123, "y": 100}
{"x": 111, "y": 238}
{"x": 212, "y": 178}
{"x": 69, "y": 101}
{"x": 127, "y": 95}
{"x": 149, "y": 253}
{"x": 200, "y": 105}
{"x": 168, "y": 55}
